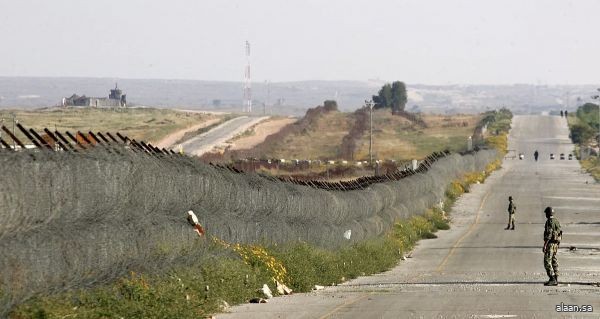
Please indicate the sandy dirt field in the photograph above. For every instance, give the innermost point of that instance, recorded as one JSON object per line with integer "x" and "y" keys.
{"x": 261, "y": 131}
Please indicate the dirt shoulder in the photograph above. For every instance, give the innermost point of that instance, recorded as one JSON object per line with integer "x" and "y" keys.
{"x": 260, "y": 132}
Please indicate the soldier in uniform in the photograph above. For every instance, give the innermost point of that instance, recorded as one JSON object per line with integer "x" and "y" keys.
{"x": 512, "y": 209}
{"x": 552, "y": 237}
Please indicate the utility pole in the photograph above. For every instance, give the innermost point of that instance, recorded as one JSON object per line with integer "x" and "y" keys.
{"x": 269, "y": 97}
{"x": 266, "y": 103}
{"x": 597, "y": 98}
{"x": 369, "y": 104}
{"x": 14, "y": 121}
{"x": 247, "y": 83}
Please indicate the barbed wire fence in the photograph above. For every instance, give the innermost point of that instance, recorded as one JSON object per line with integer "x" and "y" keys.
{"x": 73, "y": 220}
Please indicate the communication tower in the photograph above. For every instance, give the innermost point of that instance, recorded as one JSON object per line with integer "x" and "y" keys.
{"x": 247, "y": 83}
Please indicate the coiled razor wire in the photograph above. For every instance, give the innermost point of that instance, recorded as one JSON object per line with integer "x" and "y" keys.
{"x": 73, "y": 220}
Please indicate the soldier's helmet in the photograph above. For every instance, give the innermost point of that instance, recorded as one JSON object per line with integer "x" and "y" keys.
{"x": 549, "y": 210}
{"x": 509, "y": 197}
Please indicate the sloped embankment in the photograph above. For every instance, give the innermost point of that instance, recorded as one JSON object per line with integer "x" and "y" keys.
{"x": 272, "y": 141}
{"x": 348, "y": 147}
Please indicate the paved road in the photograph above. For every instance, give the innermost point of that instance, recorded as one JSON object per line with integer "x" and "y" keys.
{"x": 477, "y": 269}
{"x": 219, "y": 135}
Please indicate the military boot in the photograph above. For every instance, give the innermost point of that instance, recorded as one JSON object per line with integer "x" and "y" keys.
{"x": 551, "y": 282}
{"x": 513, "y": 226}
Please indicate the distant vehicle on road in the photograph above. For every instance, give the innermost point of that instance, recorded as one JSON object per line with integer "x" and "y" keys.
{"x": 551, "y": 156}
{"x": 570, "y": 157}
{"x": 562, "y": 156}
{"x": 521, "y": 156}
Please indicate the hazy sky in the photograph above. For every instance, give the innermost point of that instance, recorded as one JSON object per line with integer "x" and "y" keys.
{"x": 418, "y": 41}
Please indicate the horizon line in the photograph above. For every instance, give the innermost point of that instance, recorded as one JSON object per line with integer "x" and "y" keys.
{"x": 297, "y": 81}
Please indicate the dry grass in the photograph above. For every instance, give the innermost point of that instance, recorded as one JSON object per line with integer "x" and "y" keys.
{"x": 142, "y": 124}
{"x": 394, "y": 137}
{"x": 397, "y": 138}
{"x": 321, "y": 140}
{"x": 592, "y": 166}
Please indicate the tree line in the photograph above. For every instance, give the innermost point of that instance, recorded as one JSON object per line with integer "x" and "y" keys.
{"x": 587, "y": 125}
{"x": 391, "y": 96}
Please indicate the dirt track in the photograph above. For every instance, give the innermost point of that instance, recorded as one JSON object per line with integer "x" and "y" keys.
{"x": 261, "y": 131}
{"x": 170, "y": 139}
{"x": 219, "y": 135}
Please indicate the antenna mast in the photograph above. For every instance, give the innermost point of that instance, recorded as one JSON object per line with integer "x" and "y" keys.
{"x": 247, "y": 83}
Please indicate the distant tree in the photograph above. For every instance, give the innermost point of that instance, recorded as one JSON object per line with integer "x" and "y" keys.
{"x": 330, "y": 105}
{"x": 384, "y": 98}
{"x": 588, "y": 113}
{"x": 391, "y": 96}
{"x": 581, "y": 133}
{"x": 399, "y": 96}
{"x": 377, "y": 102}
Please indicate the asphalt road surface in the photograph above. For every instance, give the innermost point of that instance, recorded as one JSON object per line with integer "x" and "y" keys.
{"x": 219, "y": 135}
{"x": 477, "y": 269}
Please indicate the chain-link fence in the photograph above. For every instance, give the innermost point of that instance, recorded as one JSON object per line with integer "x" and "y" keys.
{"x": 71, "y": 220}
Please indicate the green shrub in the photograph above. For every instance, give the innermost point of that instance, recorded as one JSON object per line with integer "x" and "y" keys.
{"x": 581, "y": 133}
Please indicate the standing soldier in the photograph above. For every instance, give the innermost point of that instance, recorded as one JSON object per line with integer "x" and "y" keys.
{"x": 512, "y": 208}
{"x": 552, "y": 238}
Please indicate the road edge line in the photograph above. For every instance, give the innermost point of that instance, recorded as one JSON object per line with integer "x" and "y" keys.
{"x": 457, "y": 243}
